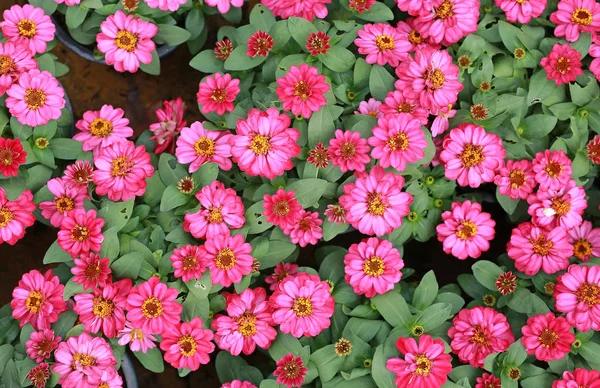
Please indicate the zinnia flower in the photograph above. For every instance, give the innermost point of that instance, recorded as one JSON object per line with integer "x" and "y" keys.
{"x": 397, "y": 103}
{"x": 91, "y": 270}
{"x": 547, "y": 337}
{"x": 306, "y": 230}
{"x": 281, "y": 272}
{"x": 41, "y": 344}
{"x": 81, "y": 232}
{"x": 336, "y": 214}
{"x": 577, "y": 293}
{"x": 151, "y": 306}
{"x": 12, "y": 156}
{"x": 248, "y": 323}
{"x": 188, "y": 262}
{"x": 369, "y": 108}
{"x": 413, "y": 7}
{"x": 104, "y": 309}
{"x": 478, "y": 332}
{"x": 223, "y": 49}
{"x": 578, "y": 378}
{"x": 39, "y": 375}
{"x": 372, "y": 267}
{"x": 424, "y": 364}
{"x": 81, "y": 360}
{"x": 15, "y": 216}
{"x": 220, "y": 210}
{"x": 36, "y": 98}
{"x": 306, "y": 9}
{"x": 217, "y": 93}
{"x": 471, "y": 155}
{"x": 575, "y": 16}
{"x": 516, "y": 179}
{"x": 317, "y": 43}
{"x": 319, "y": 156}
{"x": 168, "y": 5}
{"x": 260, "y": 43}
{"x": 225, "y": 5}
{"x": 487, "y": 380}
{"x": 397, "y": 141}
{"x": 552, "y": 169}
{"x": 197, "y": 146}
{"x": 28, "y": 26}
{"x": 282, "y": 209}
{"x": 533, "y": 247}
{"x": 466, "y": 231}
{"x": 349, "y": 151}
{"x": 264, "y": 143}
{"x": 122, "y": 170}
{"x": 506, "y": 283}
{"x": 238, "y": 384}
{"x": 102, "y": 128}
{"x": 66, "y": 200}
{"x": 382, "y": 44}
{"x": 169, "y": 125}
{"x": 228, "y": 258}
{"x": 562, "y": 64}
{"x": 361, "y": 6}
{"x": 302, "y": 90}
{"x": 585, "y": 240}
{"x": 521, "y": 12}
{"x": 137, "y": 338}
{"x": 303, "y": 305}
{"x": 564, "y": 207}
{"x": 290, "y": 371}
{"x": 187, "y": 345}
{"x": 375, "y": 203}
{"x": 441, "y": 122}
{"x": 15, "y": 58}
{"x": 79, "y": 175}
{"x": 448, "y": 21}
{"x": 126, "y": 40}
{"x": 38, "y": 299}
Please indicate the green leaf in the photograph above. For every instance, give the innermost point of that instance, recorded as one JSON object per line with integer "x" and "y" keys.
{"x": 523, "y": 301}
{"x": 195, "y": 306}
{"x": 328, "y": 363}
{"x": 239, "y": 61}
{"x": 486, "y": 273}
{"x": 171, "y": 35}
{"x": 206, "y": 62}
{"x": 110, "y": 245}
{"x": 308, "y": 191}
{"x": 49, "y": 6}
{"x": 66, "y": 149}
{"x": 434, "y": 315}
{"x": 65, "y": 323}
{"x": 393, "y": 308}
{"x": 426, "y": 291}
{"x": 6, "y": 353}
{"x": 151, "y": 360}
{"x": 170, "y": 170}
{"x": 206, "y": 174}
{"x": 515, "y": 355}
{"x": 543, "y": 90}
{"x": 128, "y": 266}
{"x": 194, "y": 23}
{"x": 45, "y": 156}
{"x": 38, "y": 176}
{"x": 115, "y": 214}
{"x": 278, "y": 251}
{"x": 338, "y": 59}
{"x": 509, "y": 205}
{"x": 154, "y": 190}
{"x": 590, "y": 351}
{"x": 153, "y": 68}
{"x": 75, "y": 15}
{"x": 381, "y": 82}
{"x": 321, "y": 126}
{"x": 538, "y": 126}
{"x": 284, "y": 344}
{"x": 379, "y": 12}
{"x": 56, "y": 254}
{"x": 382, "y": 376}
{"x": 48, "y": 131}
{"x": 262, "y": 18}
{"x": 172, "y": 198}
{"x": 72, "y": 289}
{"x": 300, "y": 29}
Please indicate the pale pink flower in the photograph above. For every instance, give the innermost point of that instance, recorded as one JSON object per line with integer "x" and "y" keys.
{"x": 302, "y": 90}
{"x": 478, "y": 332}
{"x": 102, "y": 128}
{"x": 81, "y": 232}
{"x": 281, "y": 272}
{"x": 521, "y": 12}
{"x": 217, "y": 93}
{"x": 349, "y": 151}
{"x": 562, "y": 65}
{"x": 577, "y": 293}
{"x": 169, "y": 125}
{"x": 369, "y": 108}
{"x": 228, "y": 258}
{"x": 197, "y": 146}
{"x": 307, "y": 230}
{"x": 187, "y": 345}
{"x": 516, "y": 179}
{"x": 303, "y": 305}
{"x": 224, "y": 5}
{"x": 547, "y": 336}
{"x": 290, "y": 371}
{"x": 188, "y": 262}
{"x": 552, "y": 169}
{"x": 110, "y": 379}
{"x": 564, "y": 207}
{"x": 397, "y": 141}
{"x": 14, "y": 59}
{"x": 447, "y": 21}
{"x": 575, "y": 16}
{"x": 91, "y": 270}
{"x": 41, "y": 344}
{"x": 441, "y": 122}
{"x": 335, "y": 213}
{"x": 168, "y": 5}
{"x": 586, "y": 241}
{"x": 15, "y": 216}
{"x": 28, "y": 26}
{"x": 382, "y": 44}
{"x": 578, "y": 378}
{"x": 282, "y": 208}
{"x": 126, "y": 41}
{"x": 306, "y": 9}
{"x": 396, "y": 103}
{"x": 66, "y": 200}
{"x": 137, "y": 338}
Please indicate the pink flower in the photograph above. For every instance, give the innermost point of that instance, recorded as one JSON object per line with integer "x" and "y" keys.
{"x": 14, "y": 59}
{"x": 110, "y": 379}
{"x": 516, "y": 179}
{"x": 28, "y": 26}
{"x": 575, "y": 16}
{"x": 197, "y": 146}
{"x": 220, "y": 210}
{"x": 137, "y": 338}
{"x": 349, "y": 151}
{"x": 431, "y": 77}
{"x": 317, "y": 43}
{"x": 532, "y": 248}
{"x": 441, "y": 121}
{"x": 564, "y": 207}
{"x": 228, "y": 258}
{"x": 372, "y": 267}
{"x": 369, "y": 108}
{"x": 396, "y": 103}
{"x": 577, "y": 293}
{"x": 407, "y": 29}
{"x": 79, "y": 175}
{"x": 15, "y": 216}
{"x": 552, "y": 169}
{"x": 167, "y": 5}
{"x": 585, "y": 240}
{"x": 397, "y": 141}
{"x": 593, "y": 147}
{"x": 38, "y": 300}
{"x": 336, "y": 214}
{"x": 223, "y": 49}
{"x": 103, "y": 309}
{"x": 306, "y": 230}
{"x": 248, "y": 323}
{"x": 238, "y": 384}
{"x": 91, "y": 271}
{"x": 281, "y": 272}
{"x": 260, "y": 43}
{"x": 188, "y": 345}
{"x": 487, "y": 380}
{"x": 12, "y": 155}
{"x": 562, "y": 64}
{"x": 375, "y": 203}
{"x": 122, "y": 170}
{"x": 466, "y": 231}
{"x": 472, "y": 156}
{"x": 81, "y": 360}
{"x": 413, "y": 7}
{"x": 578, "y": 378}
{"x": 303, "y": 305}
{"x": 290, "y": 371}
{"x": 68, "y": 2}
{"x": 361, "y": 6}
{"x": 521, "y": 12}
{"x": 282, "y": 209}
{"x": 188, "y": 262}
{"x": 478, "y": 332}
{"x": 66, "y": 200}
{"x": 36, "y": 98}
{"x": 302, "y": 90}
{"x": 447, "y": 21}
{"x": 102, "y": 128}
{"x": 81, "y": 232}
{"x": 217, "y": 93}
{"x": 306, "y": 9}
{"x": 126, "y": 40}
{"x": 39, "y": 375}
{"x": 264, "y": 143}
{"x": 547, "y": 337}
{"x": 224, "y": 5}
{"x": 170, "y": 123}
{"x": 151, "y": 306}
{"x": 425, "y": 365}
{"x": 382, "y": 44}
{"x": 41, "y": 344}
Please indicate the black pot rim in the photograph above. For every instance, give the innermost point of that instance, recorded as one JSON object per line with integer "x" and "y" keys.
{"x": 65, "y": 38}
{"x": 128, "y": 372}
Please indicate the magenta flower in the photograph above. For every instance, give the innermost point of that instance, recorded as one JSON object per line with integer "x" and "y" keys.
{"x": 14, "y": 59}
{"x": 290, "y": 371}
{"x": 586, "y": 241}
{"x": 282, "y": 209}
{"x": 217, "y": 93}
{"x": 187, "y": 345}
{"x": 447, "y": 21}
{"x": 166, "y": 5}
{"x": 66, "y": 200}
{"x": 414, "y": 7}
{"x": 81, "y": 232}
{"x": 488, "y": 380}
{"x": 562, "y": 65}
{"x": 578, "y": 378}
{"x": 260, "y": 43}
{"x": 197, "y": 146}
{"x": 575, "y": 16}
{"x": 369, "y": 108}
{"x": 564, "y": 207}
{"x": 39, "y": 375}
{"x": 228, "y": 258}
{"x": 41, "y": 344}
{"x": 281, "y": 272}
{"x": 15, "y": 216}
{"x": 91, "y": 270}
{"x": 306, "y": 230}
{"x": 521, "y": 12}
{"x": 12, "y": 155}
{"x": 169, "y": 125}
{"x": 102, "y": 128}
{"x": 79, "y": 175}
{"x": 302, "y": 90}
{"x": 382, "y": 44}
{"x": 349, "y": 151}
{"x": 577, "y": 293}
{"x": 238, "y": 384}
{"x": 28, "y": 26}
{"x": 396, "y": 103}
{"x": 552, "y": 169}
{"x": 306, "y": 9}
{"x": 547, "y": 337}
{"x": 224, "y": 5}
{"x": 188, "y": 262}
{"x": 516, "y": 179}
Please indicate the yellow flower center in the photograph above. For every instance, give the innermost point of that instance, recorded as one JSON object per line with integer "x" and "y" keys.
{"x": 6, "y": 216}
{"x": 27, "y": 28}
{"x": 423, "y": 365}
{"x": 41, "y": 143}
{"x": 152, "y": 308}
{"x": 516, "y": 178}
{"x": 436, "y": 78}
{"x": 189, "y": 262}
{"x": 415, "y": 38}
{"x": 215, "y": 215}
{"x": 204, "y": 147}
{"x": 374, "y": 266}
{"x": 302, "y": 90}
{"x": 405, "y": 107}
{"x": 103, "y": 308}
{"x": 374, "y": 204}
{"x": 7, "y": 64}
{"x": 553, "y": 169}
{"x": 582, "y": 248}
{"x": 121, "y": 167}
{"x": 34, "y": 302}
{"x": 302, "y": 307}
{"x": 126, "y": 40}
{"x": 260, "y": 144}
{"x": 6, "y": 156}
{"x": 225, "y": 259}
{"x": 560, "y": 207}
{"x": 219, "y": 95}
{"x": 80, "y": 233}
{"x": 246, "y": 324}
{"x": 84, "y": 360}
{"x": 589, "y": 294}
{"x": 444, "y": 10}
{"x": 348, "y": 150}
{"x": 398, "y": 142}
{"x": 137, "y": 334}
{"x": 35, "y": 98}
{"x": 582, "y": 16}
{"x": 548, "y": 338}
{"x": 384, "y": 42}
{"x": 187, "y": 345}
{"x": 479, "y": 337}
{"x": 541, "y": 246}
{"x": 101, "y": 127}
{"x": 281, "y": 208}
{"x": 467, "y": 229}
{"x": 64, "y": 204}
{"x": 563, "y": 65}
{"x": 472, "y": 155}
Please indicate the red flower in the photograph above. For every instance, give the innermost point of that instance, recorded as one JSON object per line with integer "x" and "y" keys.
{"x": 15, "y": 216}
{"x": 223, "y": 49}
{"x": 319, "y": 156}
{"x": 593, "y": 150}
{"x": 506, "y": 283}
{"x": 290, "y": 371}
{"x": 39, "y": 375}
{"x": 317, "y": 43}
{"x": 260, "y": 43}
{"x": 11, "y": 156}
